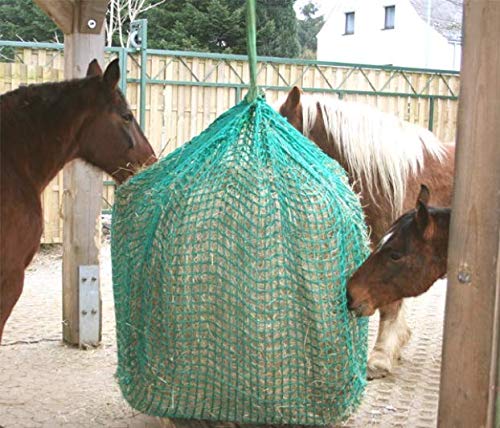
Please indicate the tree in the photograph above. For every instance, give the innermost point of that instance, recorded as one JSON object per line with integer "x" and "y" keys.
{"x": 23, "y": 20}
{"x": 308, "y": 28}
{"x": 220, "y": 26}
{"x": 283, "y": 40}
{"x": 201, "y": 25}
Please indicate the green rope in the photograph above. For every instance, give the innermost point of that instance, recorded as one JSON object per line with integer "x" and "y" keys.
{"x": 253, "y": 92}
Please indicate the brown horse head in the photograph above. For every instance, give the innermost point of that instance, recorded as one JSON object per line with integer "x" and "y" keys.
{"x": 43, "y": 128}
{"x": 409, "y": 259}
{"x": 111, "y": 138}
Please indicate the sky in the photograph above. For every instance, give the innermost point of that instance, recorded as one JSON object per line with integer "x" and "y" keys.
{"x": 324, "y": 6}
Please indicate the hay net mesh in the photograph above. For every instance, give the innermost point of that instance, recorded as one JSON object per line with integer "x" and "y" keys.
{"x": 230, "y": 261}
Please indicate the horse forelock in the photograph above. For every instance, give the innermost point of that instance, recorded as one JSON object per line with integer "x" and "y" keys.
{"x": 381, "y": 150}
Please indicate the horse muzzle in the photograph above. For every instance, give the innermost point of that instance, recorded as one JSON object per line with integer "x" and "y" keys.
{"x": 362, "y": 308}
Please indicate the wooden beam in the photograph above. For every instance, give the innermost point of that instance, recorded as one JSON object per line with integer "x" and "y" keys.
{"x": 60, "y": 11}
{"x": 82, "y": 194}
{"x": 92, "y": 15}
{"x": 469, "y": 375}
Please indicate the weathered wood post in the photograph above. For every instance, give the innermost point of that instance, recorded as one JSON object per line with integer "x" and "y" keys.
{"x": 82, "y": 22}
{"x": 470, "y": 370}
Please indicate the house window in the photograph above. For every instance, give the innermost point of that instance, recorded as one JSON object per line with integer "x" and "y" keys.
{"x": 349, "y": 23}
{"x": 390, "y": 11}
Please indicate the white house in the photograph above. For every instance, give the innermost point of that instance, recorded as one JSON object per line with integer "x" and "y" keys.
{"x": 406, "y": 33}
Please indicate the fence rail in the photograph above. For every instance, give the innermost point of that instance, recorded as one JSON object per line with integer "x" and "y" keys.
{"x": 181, "y": 93}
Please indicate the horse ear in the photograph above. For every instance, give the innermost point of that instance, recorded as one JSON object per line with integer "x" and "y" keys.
{"x": 293, "y": 98}
{"x": 94, "y": 69}
{"x": 112, "y": 74}
{"x": 422, "y": 218}
{"x": 423, "y": 196}
{"x": 425, "y": 222}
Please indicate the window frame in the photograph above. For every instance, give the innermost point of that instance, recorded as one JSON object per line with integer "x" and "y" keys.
{"x": 386, "y": 10}
{"x": 353, "y": 21}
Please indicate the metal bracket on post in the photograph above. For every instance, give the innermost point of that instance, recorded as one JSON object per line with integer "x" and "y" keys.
{"x": 138, "y": 40}
{"x": 137, "y": 36}
{"x": 90, "y": 305}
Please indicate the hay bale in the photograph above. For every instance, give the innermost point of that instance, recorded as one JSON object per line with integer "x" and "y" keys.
{"x": 230, "y": 260}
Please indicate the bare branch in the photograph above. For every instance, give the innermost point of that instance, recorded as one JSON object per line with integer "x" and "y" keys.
{"x": 151, "y": 6}
{"x": 121, "y": 13}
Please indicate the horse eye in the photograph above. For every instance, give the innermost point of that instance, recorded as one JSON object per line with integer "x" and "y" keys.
{"x": 128, "y": 117}
{"x": 395, "y": 255}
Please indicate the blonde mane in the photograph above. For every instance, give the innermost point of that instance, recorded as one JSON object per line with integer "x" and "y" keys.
{"x": 380, "y": 149}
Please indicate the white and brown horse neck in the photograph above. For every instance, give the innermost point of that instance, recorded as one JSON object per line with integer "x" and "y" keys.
{"x": 386, "y": 158}
{"x": 437, "y": 174}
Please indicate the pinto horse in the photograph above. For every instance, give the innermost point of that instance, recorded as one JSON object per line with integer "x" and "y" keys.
{"x": 409, "y": 259}
{"x": 386, "y": 159}
{"x": 42, "y": 128}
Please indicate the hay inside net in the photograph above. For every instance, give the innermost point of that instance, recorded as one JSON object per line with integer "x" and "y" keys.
{"x": 230, "y": 261}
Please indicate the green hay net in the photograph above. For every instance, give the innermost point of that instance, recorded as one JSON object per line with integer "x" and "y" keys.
{"x": 230, "y": 262}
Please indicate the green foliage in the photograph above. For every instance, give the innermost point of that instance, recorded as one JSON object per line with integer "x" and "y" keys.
{"x": 277, "y": 29}
{"x": 24, "y": 20}
{"x": 220, "y": 26}
{"x": 308, "y": 28}
{"x": 199, "y": 25}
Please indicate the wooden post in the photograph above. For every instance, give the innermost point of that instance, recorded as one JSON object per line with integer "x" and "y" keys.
{"x": 82, "y": 194}
{"x": 469, "y": 374}
{"x": 82, "y": 23}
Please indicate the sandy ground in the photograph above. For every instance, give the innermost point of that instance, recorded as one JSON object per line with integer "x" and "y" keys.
{"x": 44, "y": 383}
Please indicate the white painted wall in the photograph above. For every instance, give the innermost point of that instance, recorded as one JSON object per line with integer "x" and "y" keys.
{"x": 412, "y": 43}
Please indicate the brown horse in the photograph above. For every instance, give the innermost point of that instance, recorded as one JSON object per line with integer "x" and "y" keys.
{"x": 409, "y": 259}
{"x": 42, "y": 128}
{"x": 386, "y": 159}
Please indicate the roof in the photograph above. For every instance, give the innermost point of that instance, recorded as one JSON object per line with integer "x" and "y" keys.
{"x": 446, "y": 16}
